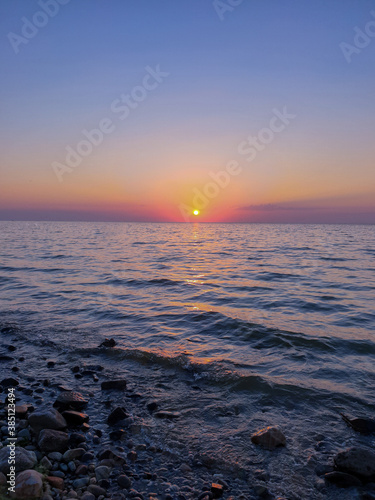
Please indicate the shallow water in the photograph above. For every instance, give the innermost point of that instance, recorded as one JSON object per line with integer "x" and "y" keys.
{"x": 235, "y": 325}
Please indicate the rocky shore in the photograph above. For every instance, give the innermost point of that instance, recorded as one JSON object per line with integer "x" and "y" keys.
{"x": 63, "y": 452}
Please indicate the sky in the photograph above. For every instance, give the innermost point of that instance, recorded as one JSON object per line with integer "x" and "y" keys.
{"x": 136, "y": 110}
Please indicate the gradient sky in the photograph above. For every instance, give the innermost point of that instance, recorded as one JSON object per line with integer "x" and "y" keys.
{"x": 226, "y": 76}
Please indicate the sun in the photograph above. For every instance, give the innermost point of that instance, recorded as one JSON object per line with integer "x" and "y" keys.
{"x": 196, "y": 212}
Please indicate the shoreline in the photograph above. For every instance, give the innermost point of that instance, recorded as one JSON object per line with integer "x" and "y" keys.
{"x": 96, "y": 443}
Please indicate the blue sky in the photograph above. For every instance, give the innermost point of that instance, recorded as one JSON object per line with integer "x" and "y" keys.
{"x": 225, "y": 77}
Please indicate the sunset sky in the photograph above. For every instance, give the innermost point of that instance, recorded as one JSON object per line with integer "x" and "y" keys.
{"x": 179, "y": 86}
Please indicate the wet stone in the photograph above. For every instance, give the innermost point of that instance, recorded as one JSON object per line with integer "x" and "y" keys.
{"x": 71, "y": 400}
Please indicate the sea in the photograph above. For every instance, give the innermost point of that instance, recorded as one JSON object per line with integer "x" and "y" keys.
{"x": 235, "y": 326}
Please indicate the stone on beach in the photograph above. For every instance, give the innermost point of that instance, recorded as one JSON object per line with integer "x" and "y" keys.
{"x": 357, "y": 461}
{"x": 124, "y": 481}
{"x": 24, "y": 459}
{"x": 28, "y": 485}
{"x": 269, "y": 438}
{"x": 342, "y": 479}
{"x": 361, "y": 425}
{"x": 75, "y": 418}
{"x": 117, "y": 415}
{"x": 9, "y": 382}
{"x": 71, "y": 400}
{"x": 108, "y": 343}
{"x": 47, "y": 419}
{"x": 113, "y": 384}
{"x": 52, "y": 440}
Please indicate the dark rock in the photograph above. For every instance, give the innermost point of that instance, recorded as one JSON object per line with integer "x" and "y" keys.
{"x": 15, "y": 369}
{"x": 132, "y": 456}
{"x": 118, "y": 414}
{"x": 116, "y": 435}
{"x": 206, "y": 495}
{"x": 12, "y": 348}
{"x": 357, "y": 461}
{"x": 47, "y": 419}
{"x": 104, "y": 483}
{"x": 153, "y": 406}
{"x": 96, "y": 490}
{"x": 217, "y": 490}
{"x": 71, "y": 400}
{"x": 87, "y": 457}
{"x": 342, "y": 479}
{"x": 24, "y": 459}
{"x": 269, "y": 438}
{"x": 9, "y": 382}
{"x": 52, "y": 440}
{"x": 51, "y": 363}
{"x": 167, "y": 414}
{"x": 29, "y": 484}
{"x": 113, "y": 384}
{"x": 75, "y": 418}
{"x": 124, "y": 481}
{"x": 108, "y": 343}
{"x": 362, "y": 425}
{"x": 75, "y": 369}
{"x": 76, "y": 438}
{"x": 82, "y": 470}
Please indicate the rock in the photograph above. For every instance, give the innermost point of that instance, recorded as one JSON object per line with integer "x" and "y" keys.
{"x": 357, "y": 461}
{"x": 76, "y": 438}
{"x": 113, "y": 384}
{"x": 102, "y": 472}
{"x": 342, "y": 479}
{"x": 21, "y": 411}
{"x": 108, "y": 343}
{"x": 167, "y": 414}
{"x": 96, "y": 490}
{"x": 217, "y": 490}
{"x": 87, "y": 496}
{"x": 81, "y": 470}
{"x": 117, "y": 435}
{"x": 46, "y": 463}
{"x": 118, "y": 414}
{"x": 152, "y": 406}
{"x": 52, "y": 440}
{"x": 9, "y": 382}
{"x": 75, "y": 418}
{"x": 73, "y": 454}
{"x": 362, "y": 425}
{"x": 47, "y": 419}
{"x": 29, "y": 484}
{"x": 80, "y": 483}
{"x": 56, "y": 482}
{"x": 24, "y": 459}
{"x": 124, "y": 481}
{"x": 269, "y": 438}
{"x": 71, "y": 400}
{"x": 55, "y": 456}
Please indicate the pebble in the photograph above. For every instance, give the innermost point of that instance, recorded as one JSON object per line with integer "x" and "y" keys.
{"x": 124, "y": 481}
{"x": 269, "y": 438}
